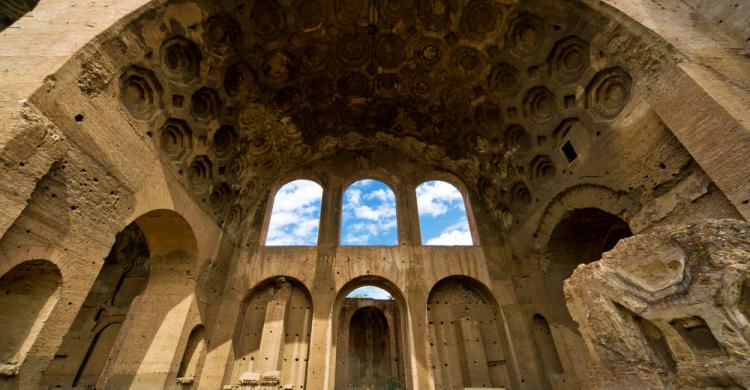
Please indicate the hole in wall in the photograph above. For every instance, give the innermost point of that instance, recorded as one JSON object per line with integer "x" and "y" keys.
{"x": 569, "y": 151}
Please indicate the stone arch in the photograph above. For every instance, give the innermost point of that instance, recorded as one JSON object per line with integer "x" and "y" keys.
{"x": 367, "y": 348}
{"x": 467, "y": 344}
{"x": 397, "y": 316}
{"x": 97, "y": 354}
{"x": 28, "y": 294}
{"x": 579, "y": 197}
{"x": 580, "y": 236}
{"x": 148, "y": 278}
{"x": 272, "y": 335}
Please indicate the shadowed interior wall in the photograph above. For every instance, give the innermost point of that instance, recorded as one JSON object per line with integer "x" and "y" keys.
{"x": 545, "y": 345}
{"x": 273, "y": 334}
{"x": 535, "y": 109}
{"x": 465, "y": 337}
{"x": 193, "y": 357}
{"x": 368, "y": 346}
{"x": 28, "y": 293}
{"x": 12, "y": 10}
{"x": 579, "y": 238}
{"x": 91, "y": 338}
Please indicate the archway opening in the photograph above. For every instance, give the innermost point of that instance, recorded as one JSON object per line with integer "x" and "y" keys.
{"x": 28, "y": 293}
{"x": 272, "y": 336}
{"x": 579, "y": 238}
{"x": 369, "y": 349}
{"x": 368, "y": 214}
{"x": 442, "y": 214}
{"x": 295, "y": 217}
{"x": 86, "y": 347}
{"x": 148, "y": 277}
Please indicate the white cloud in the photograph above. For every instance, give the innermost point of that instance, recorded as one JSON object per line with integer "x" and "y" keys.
{"x": 436, "y": 198}
{"x": 367, "y": 212}
{"x": 381, "y": 195}
{"x": 296, "y": 214}
{"x": 452, "y": 237}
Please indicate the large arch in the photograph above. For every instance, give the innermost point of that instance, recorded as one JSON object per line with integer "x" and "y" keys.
{"x": 398, "y": 319}
{"x": 148, "y": 278}
{"x": 93, "y": 98}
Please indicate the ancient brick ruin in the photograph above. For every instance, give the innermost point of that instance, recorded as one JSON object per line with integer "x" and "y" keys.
{"x": 600, "y": 148}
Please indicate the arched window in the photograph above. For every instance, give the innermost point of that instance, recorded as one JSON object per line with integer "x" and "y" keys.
{"x": 296, "y": 214}
{"x": 442, "y": 214}
{"x": 369, "y": 214}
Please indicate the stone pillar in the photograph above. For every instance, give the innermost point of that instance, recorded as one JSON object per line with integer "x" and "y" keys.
{"x": 321, "y": 344}
{"x": 329, "y": 231}
{"x": 266, "y": 370}
{"x": 474, "y": 356}
{"x": 407, "y": 214}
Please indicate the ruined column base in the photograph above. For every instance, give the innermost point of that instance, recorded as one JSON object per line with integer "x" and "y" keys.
{"x": 668, "y": 309}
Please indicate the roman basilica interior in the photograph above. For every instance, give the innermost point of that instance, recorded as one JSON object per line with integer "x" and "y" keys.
{"x": 600, "y": 150}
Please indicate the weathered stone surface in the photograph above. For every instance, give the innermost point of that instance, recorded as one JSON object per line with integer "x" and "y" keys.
{"x": 159, "y": 132}
{"x": 667, "y": 308}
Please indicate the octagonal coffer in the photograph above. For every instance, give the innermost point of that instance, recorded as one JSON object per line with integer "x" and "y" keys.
{"x": 175, "y": 139}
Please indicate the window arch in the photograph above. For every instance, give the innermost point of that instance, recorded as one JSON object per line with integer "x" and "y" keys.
{"x": 295, "y": 216}
{"x": 442, "y": 214}
{"x": 368, "y": 214}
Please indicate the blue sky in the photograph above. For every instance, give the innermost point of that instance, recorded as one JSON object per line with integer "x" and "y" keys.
{"x": 370, "y": 292}
{"x": 368, "y": 214}
{"x": 296, "y": 214}
{"x": 442, "y": 215}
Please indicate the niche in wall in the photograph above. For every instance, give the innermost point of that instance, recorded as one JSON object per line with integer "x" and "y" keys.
{"x": 545, "y": 345}
{"x": 466, "y": 341}
{"x": 272, "y": 337}
{"x": 193, "y": 357}
{"x": 28, "y": 293}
